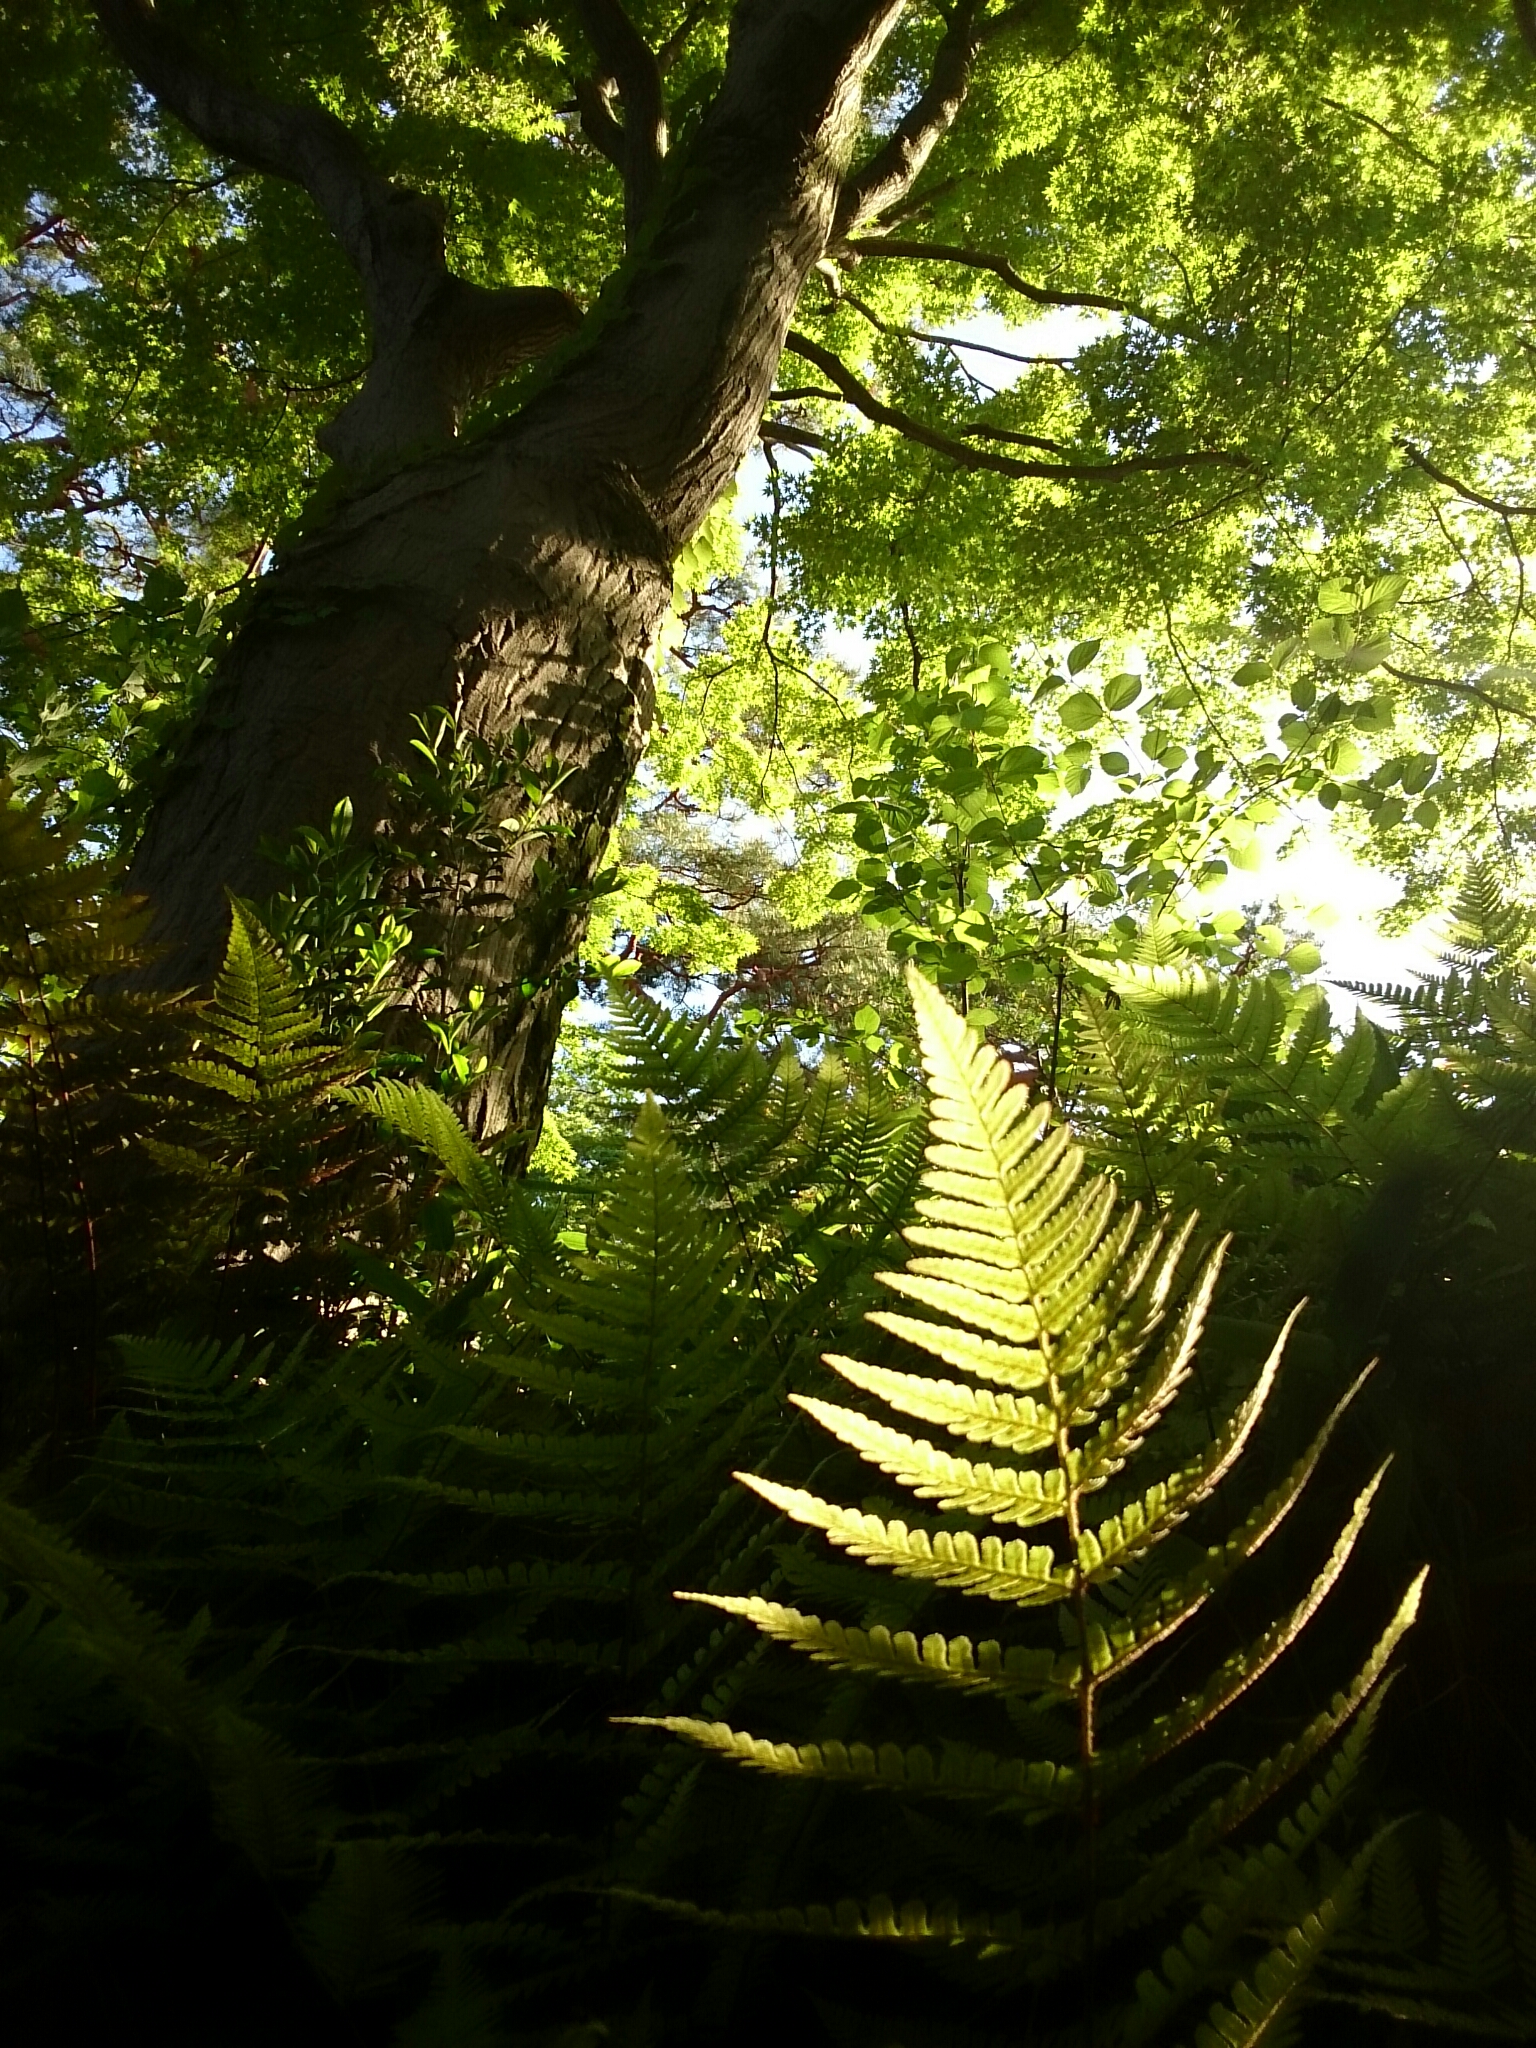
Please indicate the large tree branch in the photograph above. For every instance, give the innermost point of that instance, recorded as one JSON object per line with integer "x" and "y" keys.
{"x": 390, "y": 235}
{"x": 599, "y": 124}
{"x": 625, "y": 56}
{"x": 860, "y": 396}
{"x": 438, "y": 340}
{"x": 895, "y": 167}
{"x": 1472, "y": 497}
{"x": 1525, "y": 21}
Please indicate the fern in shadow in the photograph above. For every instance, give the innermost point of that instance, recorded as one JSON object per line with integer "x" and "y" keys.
{"x": 381, "y": 1592}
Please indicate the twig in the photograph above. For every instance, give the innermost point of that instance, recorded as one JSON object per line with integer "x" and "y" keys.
{"x": 949, "y": 341}
{"x": 1397, "y": 141}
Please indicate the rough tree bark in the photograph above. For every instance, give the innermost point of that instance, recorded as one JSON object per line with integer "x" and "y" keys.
{"x": 521, "y": 577}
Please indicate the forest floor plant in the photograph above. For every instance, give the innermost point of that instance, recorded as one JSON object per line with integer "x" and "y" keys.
{"x": 1081, "y": 1330}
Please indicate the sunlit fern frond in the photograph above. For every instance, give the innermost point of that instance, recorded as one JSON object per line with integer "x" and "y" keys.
{"x": 1057, "y": 1336}
{"x": 258, "y": 1041}
{"x": 1488, "y": 930}
{"x": 258, "y": 1117}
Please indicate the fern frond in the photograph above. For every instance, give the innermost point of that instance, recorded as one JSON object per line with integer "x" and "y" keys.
{"x": 959, "y": 1773}
{"x": 1196, "y": 1711}
{"x": 1141, "y": 1523}
{"x": 1083, "y": 1329}
{"x": 946, "y": 1660}
{"x": 1024, "y": 1574}
{"x": 1397, "y": 1918}
{"x": 1019, "y": 1495}
{"x": 264, "y": 1796}
{"x": 1011, "y": 1422}
{"x": 1474, "y": 1937}
{"x": 1522, "y": 1907}
{"x": 873, "y": 1919}
{"x": 1260, "y": 2006}
{"x": 420, "y": 1113}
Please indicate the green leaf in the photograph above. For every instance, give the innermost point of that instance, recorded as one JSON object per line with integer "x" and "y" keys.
{"x": 1384, "y": 593}
{"x": 1375, "y": 714}
{"x": 1121, "y": 690}
{"x": 1082, "y": 654}
{"x": 1081, "y": 711}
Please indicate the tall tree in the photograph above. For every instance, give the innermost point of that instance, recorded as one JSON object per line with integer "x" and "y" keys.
{"x": 1291, "y": 220}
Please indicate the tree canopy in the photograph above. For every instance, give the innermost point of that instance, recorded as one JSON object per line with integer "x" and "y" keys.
{"x": 1194, "y": 333}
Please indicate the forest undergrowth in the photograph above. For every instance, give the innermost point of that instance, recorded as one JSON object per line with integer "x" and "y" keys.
{"x": 405, "y": 1558}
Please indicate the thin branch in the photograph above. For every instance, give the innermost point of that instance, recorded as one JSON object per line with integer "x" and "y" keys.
{"x": 859, "y": 395}
{"x": 38, "y": 231}
{"x": 1397, "y": 141}
{"x": 1472, "y": 497}
{"x": 1519, "y": 611}
{"x": 628, "y": 59}
{"x": 770, "y": 605}
{"x": 895, "y": 167}
{"x": 986, "y": 432}
{"x": 913, "y": 644}
{"x": 785, "y": 434}
{"x": 1461, "y": 689}
{"x": 1457, "y": 549}
{"x": 949, "y": 341}
{"x": 977, "y": 259}
{"x": 1326, "y": 398}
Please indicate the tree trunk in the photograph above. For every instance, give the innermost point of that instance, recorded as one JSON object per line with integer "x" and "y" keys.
{"x": 519, "y": 579}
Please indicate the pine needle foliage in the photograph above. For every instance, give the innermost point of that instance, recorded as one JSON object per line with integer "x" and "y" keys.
{"x": 1066, "y": 1338}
